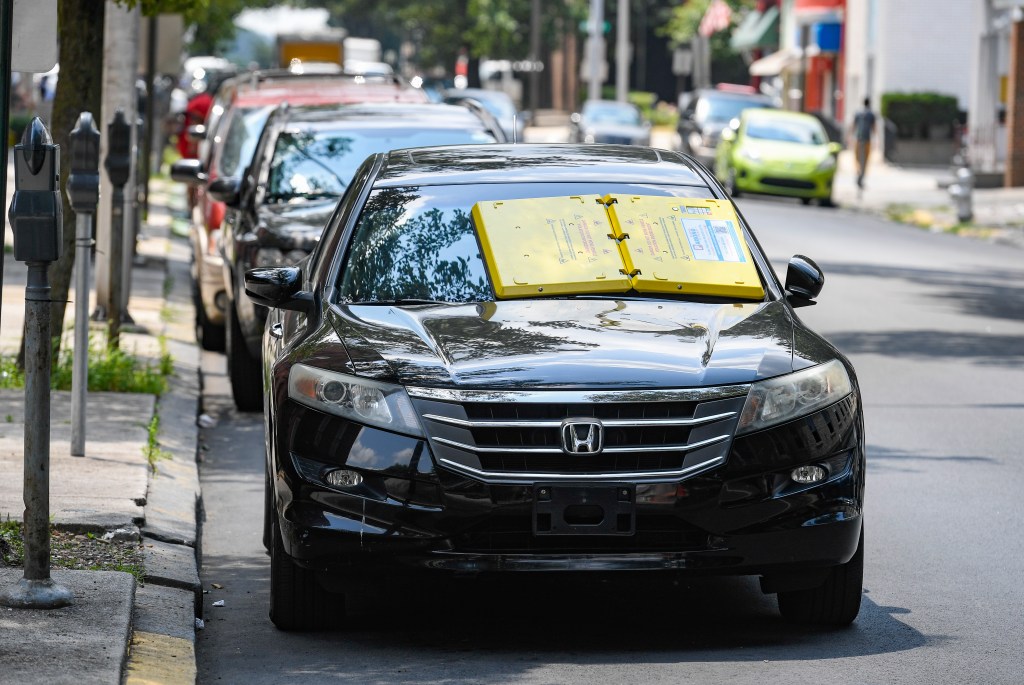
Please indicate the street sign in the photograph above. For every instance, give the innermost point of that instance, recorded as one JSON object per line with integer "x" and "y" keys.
{"x": 34, "y": 35}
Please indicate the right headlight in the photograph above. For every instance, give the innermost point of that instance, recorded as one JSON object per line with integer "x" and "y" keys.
{"x": 782, "y": 399}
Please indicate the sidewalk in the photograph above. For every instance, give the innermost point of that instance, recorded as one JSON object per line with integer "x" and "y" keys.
{"x": 111, "y": 503}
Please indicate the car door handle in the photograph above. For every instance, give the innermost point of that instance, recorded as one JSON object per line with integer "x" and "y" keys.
{"x": 277, "y": 330}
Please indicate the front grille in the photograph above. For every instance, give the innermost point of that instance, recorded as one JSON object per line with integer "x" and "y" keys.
{"x": 518, "y": 436}
{"x": 787, "y": 183}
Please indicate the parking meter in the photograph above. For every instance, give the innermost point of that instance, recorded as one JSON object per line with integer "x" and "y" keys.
{"x": 83, "y": 190}
{"x": 118, "y": 165}
{"x": 37, "y": 213}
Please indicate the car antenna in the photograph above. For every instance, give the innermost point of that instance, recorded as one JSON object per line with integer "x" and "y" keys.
{"x": 515, "y": 127}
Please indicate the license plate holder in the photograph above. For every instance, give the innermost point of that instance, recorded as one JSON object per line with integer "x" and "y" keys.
{"x": 584, "y": 509}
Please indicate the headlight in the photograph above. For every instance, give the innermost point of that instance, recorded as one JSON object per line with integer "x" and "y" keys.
{"x": 358, "y": 399}
{"x": 749, "y": 155}
{"x": 269, "y": 256}
{"x": 827, "y": 163}
{"x": 782, "y": 399}
{"x": 695, "y": 140}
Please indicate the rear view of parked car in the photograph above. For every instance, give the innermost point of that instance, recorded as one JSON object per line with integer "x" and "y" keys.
{"x": 707, "y": 113}
{"x": 608, "y": 121}
{"x": 304, "y": 161}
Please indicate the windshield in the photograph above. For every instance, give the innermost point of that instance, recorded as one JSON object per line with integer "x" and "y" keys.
{"x": 612, "y": 114}
{"x": 725, "y": 109}
{"x": 310, "y": 164}
{"x": 240, "y": 140}
{"x": 803, "y": 132}
{"x": 419, "y": 243}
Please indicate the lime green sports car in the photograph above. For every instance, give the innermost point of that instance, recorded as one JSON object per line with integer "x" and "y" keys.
{"x": 779, "y": 153}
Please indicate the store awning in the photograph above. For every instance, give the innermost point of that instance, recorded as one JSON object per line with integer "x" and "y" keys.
{"x": 757, "y": 30}
{"x": 775, "y": 63}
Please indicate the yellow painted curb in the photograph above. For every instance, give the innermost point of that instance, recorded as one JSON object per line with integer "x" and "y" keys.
{"x": 159, "y": 659}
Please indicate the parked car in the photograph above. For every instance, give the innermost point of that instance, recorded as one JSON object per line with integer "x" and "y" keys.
{"x": 499, "y": 104}
{"x": 707, "y": 113}
{"x": 304, "y": 161}
{"x": 609, "y": 121}
{"x": 232, "y": 128}
{"x": 778, "y": 153}
{"x": 419, "y": 419}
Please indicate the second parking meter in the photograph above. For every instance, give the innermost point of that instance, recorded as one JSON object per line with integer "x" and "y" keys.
{"x": 36, "y": 210}
{"x": 83, "y": 193}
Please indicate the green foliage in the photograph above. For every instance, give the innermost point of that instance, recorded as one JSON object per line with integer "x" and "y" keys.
{"x": 915, "y": 113}
{"x": 12, "y": 547}
{"x": 109, "y": 370}
{"x": 151, "y": 450}
{"x": 684, "y": 20}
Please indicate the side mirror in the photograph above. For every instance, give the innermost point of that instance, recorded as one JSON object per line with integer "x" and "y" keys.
{"x": 835, "y": 148}
{"x": 728, "y": 135}
{"x": 575, "y": 118}
{"x": 196, "y": 132}
{"x": 279, "y": 287}
{"x": 225, "y": 190}
{"x": 804, "y": 281}
{"x": 188, "y": 171}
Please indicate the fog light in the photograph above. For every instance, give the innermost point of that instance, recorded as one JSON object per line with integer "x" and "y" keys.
{"x": 343, "y": 478}
{"x": 808, "y": 474}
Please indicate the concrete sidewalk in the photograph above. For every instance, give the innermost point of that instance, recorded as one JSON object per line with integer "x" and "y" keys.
{"x": 116, "y": 630}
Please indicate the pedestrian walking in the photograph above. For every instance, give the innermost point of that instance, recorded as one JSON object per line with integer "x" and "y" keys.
{"x": 863, "y": 129}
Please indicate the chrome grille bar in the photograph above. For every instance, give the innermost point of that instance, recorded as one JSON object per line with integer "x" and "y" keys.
{"x": 517, "y": 476}
{"x": 608, "y": 423}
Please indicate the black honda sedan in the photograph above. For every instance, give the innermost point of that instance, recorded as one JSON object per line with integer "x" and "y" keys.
{"x": 430, "y": 409}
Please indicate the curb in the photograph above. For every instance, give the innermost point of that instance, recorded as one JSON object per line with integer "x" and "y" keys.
{"x": 162, "y": 647}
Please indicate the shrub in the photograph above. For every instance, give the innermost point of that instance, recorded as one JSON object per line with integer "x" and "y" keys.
{"x": 914, "y": 114}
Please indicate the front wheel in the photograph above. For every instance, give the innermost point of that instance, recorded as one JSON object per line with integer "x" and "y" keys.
{"x": 836, "y": 602}
{"x": 244, "y": 370}
{"x": 297, "y": 602}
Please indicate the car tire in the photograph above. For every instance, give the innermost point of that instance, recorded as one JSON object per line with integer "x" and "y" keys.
{"x": 805, "y": 201}
{"x": 836, "y": 602}
{"x": 268, "y": 511}
{"x": 243, "y": 369}
{"x": 211, "y": 336}
{"x": 297, "y": 601}
{"x": 826, "y": 202}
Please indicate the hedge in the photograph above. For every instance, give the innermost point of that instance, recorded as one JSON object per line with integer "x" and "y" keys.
{"x": 915, "y": 113}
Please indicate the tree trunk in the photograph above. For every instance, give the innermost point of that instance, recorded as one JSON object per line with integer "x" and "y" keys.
{"x": 80, "y": 27}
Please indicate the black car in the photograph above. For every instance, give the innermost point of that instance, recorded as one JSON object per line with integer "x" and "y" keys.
{"x": 707, "y": 113}
{"x": 418, "y": 420}
{"x": 304, "y": 161}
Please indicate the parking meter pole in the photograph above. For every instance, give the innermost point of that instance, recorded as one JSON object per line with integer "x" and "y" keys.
{"x": 83, "y": 193}
{"x": 118, "y": 166}
{"x": 36, "y": 217}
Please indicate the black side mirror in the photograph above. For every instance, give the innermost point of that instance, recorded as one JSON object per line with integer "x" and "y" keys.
{"x": 804, "y": 281}
{"x": 225, "y": 190}
{"x": 188, "y": 171}
{"x": 279, "y": 287}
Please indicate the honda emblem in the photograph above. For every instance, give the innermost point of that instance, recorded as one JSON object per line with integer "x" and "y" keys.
{"x": 582, "y": 436}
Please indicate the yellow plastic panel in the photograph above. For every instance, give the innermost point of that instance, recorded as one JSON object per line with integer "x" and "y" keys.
{"x": 684, "y": 245}
{"x": 549, "y": 246}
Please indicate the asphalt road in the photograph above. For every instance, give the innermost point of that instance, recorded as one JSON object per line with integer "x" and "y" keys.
{"x": 935, "y": 327}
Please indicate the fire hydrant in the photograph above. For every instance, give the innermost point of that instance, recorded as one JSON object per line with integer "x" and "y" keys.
{"x": 961, "y": 193}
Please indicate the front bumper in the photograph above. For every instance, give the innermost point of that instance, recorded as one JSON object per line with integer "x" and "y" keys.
{"x": 745, "y": 517}
{"x": 754, "y": 178}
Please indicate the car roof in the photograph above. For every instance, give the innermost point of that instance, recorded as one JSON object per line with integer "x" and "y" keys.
{"x": 328, "y": 91}
{"x": 466, "y": 164}
{"x": 732, "y": 95}
{"x": 384, "y": 115}
{"x": 779, "y": 115}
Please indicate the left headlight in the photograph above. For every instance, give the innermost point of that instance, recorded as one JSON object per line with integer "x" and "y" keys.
{"x": 749, "y": 155}
{"x": 827, "y": 163}
{"x": 359, "y": 399}
{"x": 782, "y": 399}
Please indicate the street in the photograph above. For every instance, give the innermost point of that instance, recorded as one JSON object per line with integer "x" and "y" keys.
{"x": 934, "y": 326}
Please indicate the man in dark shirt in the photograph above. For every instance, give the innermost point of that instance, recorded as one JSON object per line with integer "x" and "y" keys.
{"x": 863, "y": 128}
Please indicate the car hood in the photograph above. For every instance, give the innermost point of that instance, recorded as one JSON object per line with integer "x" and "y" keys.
{"x": 774, "y": 151}
{"x": 568, "y": 343}
{"x": 298, "y": 224}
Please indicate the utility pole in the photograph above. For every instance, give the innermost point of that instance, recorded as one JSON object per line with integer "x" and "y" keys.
{"x": 622, "y": 56}
{"x": 595, "y": 49}
{"x": 534, "y": 54}
{"x": 37, "y": 220}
